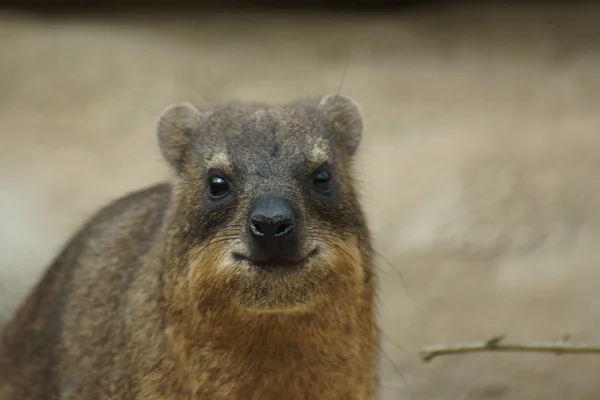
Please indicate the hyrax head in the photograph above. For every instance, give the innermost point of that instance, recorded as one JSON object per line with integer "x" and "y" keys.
{"x": 265, "y": 211}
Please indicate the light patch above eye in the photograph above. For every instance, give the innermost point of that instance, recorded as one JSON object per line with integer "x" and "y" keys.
{"x": 319, "y": 154}
{"x": 220, "y": 161}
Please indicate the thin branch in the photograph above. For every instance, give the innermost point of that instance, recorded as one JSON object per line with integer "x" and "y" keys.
{"x": 496, "y": 344}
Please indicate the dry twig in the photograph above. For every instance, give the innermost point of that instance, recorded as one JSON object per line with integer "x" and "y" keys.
{"x": 496, "y": 344}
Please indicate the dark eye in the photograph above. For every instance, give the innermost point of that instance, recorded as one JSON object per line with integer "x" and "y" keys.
{"x": 217, "y": 186}
{"x": 322, "y": 181}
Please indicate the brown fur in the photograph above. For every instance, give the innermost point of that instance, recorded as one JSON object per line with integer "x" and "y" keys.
{"x": 147, "y": 302}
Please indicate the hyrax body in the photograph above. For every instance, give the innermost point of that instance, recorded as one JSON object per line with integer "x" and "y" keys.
{"x": 249, "y": 276}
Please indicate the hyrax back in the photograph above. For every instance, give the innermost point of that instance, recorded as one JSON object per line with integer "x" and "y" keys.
{"x": 248, "y": 276}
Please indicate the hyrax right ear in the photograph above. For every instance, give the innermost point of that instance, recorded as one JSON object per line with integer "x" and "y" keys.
{"x": 175, "y": 130}
{"x": 347, "y": 119}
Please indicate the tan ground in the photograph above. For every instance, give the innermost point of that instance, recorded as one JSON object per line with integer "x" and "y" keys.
{"x": 479, "y": 163}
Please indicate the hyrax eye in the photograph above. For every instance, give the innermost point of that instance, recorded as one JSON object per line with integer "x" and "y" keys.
{"x": 217, "y": 186}
{"x": 322, "y": 181}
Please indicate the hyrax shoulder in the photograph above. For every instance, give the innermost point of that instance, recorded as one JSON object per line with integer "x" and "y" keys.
{"x": 247, "y": 276}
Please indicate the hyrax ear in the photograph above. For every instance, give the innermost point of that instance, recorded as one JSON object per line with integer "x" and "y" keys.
{"x": 347, "y": 119}
{"x": 176, "y": 126}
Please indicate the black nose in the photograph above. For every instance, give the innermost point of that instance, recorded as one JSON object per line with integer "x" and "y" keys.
{"x": 272, "y": 226}
{"x": 271, "y": 219}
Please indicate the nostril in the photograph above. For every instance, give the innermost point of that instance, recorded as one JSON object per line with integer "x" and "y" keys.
{"x": 284, "y": 229}
{"x": 265, "y": 228}
{"x": 255, "y": 229}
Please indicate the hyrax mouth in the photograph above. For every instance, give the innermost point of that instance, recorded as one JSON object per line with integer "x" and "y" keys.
{"x": 278, "y": 262}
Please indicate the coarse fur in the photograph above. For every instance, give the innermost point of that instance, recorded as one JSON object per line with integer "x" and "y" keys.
{"x": 156, "y": 296}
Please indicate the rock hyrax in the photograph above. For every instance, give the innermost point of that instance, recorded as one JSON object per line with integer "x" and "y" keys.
{"x": 248, "y": 276}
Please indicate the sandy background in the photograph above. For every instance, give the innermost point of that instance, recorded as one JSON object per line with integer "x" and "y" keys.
{"x": 479, "y": 163}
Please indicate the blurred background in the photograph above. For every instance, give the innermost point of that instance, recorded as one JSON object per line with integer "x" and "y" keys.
{"x": 478, "y": 166}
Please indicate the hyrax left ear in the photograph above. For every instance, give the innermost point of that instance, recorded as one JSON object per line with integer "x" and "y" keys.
{"x": 176, "y": 127}
{"x": 347, "y": 119}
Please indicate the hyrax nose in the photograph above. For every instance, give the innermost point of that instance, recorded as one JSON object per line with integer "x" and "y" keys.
{"x": 272, "y": 220}
{"x": 268, "y": 228}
